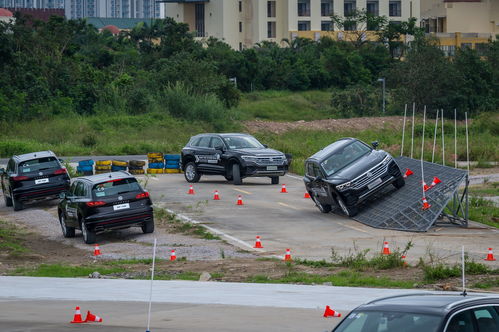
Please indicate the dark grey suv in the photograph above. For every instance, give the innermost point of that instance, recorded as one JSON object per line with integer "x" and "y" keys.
{"x": 425, "y": 313}
{"x": 348, "y": 172}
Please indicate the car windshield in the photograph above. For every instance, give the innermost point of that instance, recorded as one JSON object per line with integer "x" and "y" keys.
{"x": 344, "y": 156}
{"x": 115, "y": 187}
{"x": 38, "y": 164}
{"x": 242, "y": 142}
{"x": 377, "y": 321}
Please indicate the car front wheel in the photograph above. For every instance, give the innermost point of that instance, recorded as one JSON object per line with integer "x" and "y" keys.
{"x": 191, "y": 173}
{"x": 88, "y": 236}
{"x": 66, "y": 230}
{"x": 350, "y": 211}
{"x": 324, "y": 208}
{"x": 148, "y": 226}
{"x": 236, "y": 174}
{"x": 399, "y": 183}
{"x": 274, "y": 179}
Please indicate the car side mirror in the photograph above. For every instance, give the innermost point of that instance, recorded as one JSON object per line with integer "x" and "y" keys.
{"x": 319, "y": 177}
{"x": 375, "y": 144}
{"x": 219, "y": 148}
{"x": 265, "y": 146}
{"x": 62, "y": 195}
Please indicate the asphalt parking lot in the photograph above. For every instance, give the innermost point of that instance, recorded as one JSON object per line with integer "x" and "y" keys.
{"x": 288, "y": 220}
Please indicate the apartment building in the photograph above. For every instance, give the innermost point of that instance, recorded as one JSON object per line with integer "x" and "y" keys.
{"x": 246, "y": 22}
{"x": 114, "y": 8}
{"x": 34, "y": 4}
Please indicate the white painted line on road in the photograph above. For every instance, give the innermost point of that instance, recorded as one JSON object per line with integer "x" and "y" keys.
{"x": 294, "y": 177}
{"x": 242, "y": 191}
{"x": 214, "y": 230}
{"x": 287, "y": 205}
{"x": 355, "y": 228}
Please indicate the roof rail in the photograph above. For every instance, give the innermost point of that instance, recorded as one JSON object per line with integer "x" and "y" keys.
{"x": 400, "y": 295}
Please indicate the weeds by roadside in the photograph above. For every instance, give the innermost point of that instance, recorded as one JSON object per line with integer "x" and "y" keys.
{"x": 179, "y": 226}
{"x": 11, "y": 241}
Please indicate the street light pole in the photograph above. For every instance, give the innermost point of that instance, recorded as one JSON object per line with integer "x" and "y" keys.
{"x": 382, "y": 80}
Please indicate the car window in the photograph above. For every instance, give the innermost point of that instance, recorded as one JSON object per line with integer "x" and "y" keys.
{"x": 115, "y": 187}
{"x": 195, "y": 141}
{"x": 204, "y": 142}
{"x": 344, "y": 156}
{"x": 317, "y": 171}
{"x": 72, "y": 190}
{"x": 215, "y": 142}
{"x": 487, "y": 319}
{"x": 80, "y": 189}
{"x": 242, "y": 142}
{"x": 462, "y": 322}
{"x": 38, "y": 164}
{"x": 11, "y": 166}
{"x": 310, "y": 169}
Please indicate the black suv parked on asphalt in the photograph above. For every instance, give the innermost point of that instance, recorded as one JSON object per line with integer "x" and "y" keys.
{"x": 105, "y": 202}
{"x": 33, "y": 176}
{"x": 425, "y": 312}
{"x": 234, "y": 156}
{"x": 348, "y": 172}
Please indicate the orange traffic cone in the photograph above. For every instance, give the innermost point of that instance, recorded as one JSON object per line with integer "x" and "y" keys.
{"x": 435, "y": 182}
{"x": 216, "y": 196}
{"x": 258, "y": 243}
{"x": 307, "y": 195}
{"x": 77, "y": 317}
{"x": 283, "y": 189}
{"x": 239, "y": 200}
{"x": 173, "y": 256}
{"x": 92, "y": 318}
{"x": 386, "y": 249}
{"x": 490, "y": 256}
{"x": 425, "y": 186}
{"x": 287, "y": 257}
{"x": 426, "y": 205}
{"x": 97, "y": 250}
{"x": 331, "y": 313}
{"x": 191, "y": 190}
{"x": 408, "y": 172}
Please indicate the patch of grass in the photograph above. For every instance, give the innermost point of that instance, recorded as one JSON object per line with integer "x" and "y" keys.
{"x": 317, "y": 264}
{"x": 188, "y": 228}
{"x": 487, "y": 283}
{"x": 484, "y": 211}
{"x": 133, "y": 261}
{"x": 343, "y": 278}
{"x": 186, "y": 275}
{"x": 267, "y": 259}
{"x": 65, "y": 271}
{"x": 439, "y": 271}
{"x": 11, "y": 241}
{"x": 485, "y": 189}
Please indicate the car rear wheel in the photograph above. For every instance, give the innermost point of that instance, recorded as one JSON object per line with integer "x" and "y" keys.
{"x": 236, "y": 174}
{"x": 274, "y": 179}
{"x": 399, "y": 183}
{"x": 350, "y": 211}
{"x": 148, "y": 226}
{"x": 324, "y": 208}
{"x": 88, "y": 236}
{"x": 191, "y": 173}
{"x": 8, "y": 200}
{"x": 66, "y": 230}
{"x": 16, "y": 204}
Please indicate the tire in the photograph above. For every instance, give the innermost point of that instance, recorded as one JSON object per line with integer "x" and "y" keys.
{"x": 88, "y": 236}
{"x": 236, "y": 174}
{"x": 350, "y": 211}
{"x": 399, "y": 183}
{"x": 8, "y": 200}
{"x": 228, "y": 177}
{"x": 16, "y": 204}
{"x": 274, "y": 179}
{"x": 191, "y": 173}
{"x": 324, "y": 208}
{"x": 66, "y": 230}
{"x": 148, "y": 226}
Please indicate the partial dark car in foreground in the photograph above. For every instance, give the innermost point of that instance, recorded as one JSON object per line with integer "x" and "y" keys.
{"x": 425, "y": 313}
{"x": 234, "y": 156}
{"x": 33, "y": 176}
{"x": 103, "y": 202}
{"x": 348, "y": 172}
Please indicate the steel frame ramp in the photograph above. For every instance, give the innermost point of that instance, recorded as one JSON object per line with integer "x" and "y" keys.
{"x": 402, "y": 209}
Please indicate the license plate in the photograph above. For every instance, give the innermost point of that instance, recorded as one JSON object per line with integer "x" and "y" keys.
{"x": 121, "y": 206}
{"x": 271, "y": 168}
{"x": 374, "y": 183}
{"x": 41, "y": 181}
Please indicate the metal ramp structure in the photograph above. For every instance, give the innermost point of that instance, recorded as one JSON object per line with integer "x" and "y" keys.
{"x": 402, "y": 209}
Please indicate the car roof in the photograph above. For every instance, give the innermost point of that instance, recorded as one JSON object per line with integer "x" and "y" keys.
{"x": 428, "y": 303}
{"x": 98, "y": 178}
{"x": 33, "y": 155}
{"x": 320, "y": 155}
{"x": 223, "y": 134}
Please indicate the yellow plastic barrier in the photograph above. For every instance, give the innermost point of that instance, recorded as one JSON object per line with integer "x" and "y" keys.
{"x": 103, "y": 162}
{"x": 155, "y": 171}
{"x": 102, "y": 168}
{"x": 120, "y": 163}
{"x": 172, "y": 171}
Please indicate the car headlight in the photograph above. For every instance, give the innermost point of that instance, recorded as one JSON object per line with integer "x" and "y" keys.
{"x": 249, "y": 158}
{"x": 343, "y": 186}
{"x": 387, "y": 160}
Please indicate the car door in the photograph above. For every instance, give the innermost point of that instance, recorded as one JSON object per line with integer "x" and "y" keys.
{"x": 319, "y": 188}
{"x": 487, "y": 318}
{"x": 204, "y": 155}
{"x": 5, "y": 176}
{"x": 72, "y": 201}
{"x": 216, "y": 161}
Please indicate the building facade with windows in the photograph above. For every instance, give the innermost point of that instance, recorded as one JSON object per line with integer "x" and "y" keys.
{"x": 246, "y": 22}
{"x": 114, "y": 9}
{"x": 34, "y": 4}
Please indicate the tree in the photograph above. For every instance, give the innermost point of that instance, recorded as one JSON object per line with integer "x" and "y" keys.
{"x": 359, "y": 22}
{"x": 391, "y": 34}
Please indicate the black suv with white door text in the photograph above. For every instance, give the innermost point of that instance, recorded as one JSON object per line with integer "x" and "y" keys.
{"x": 348, "y": 172}
{"x": 33, "y": 176}
{"x": 105, "y": 202}
{"x": 234, "y": 156}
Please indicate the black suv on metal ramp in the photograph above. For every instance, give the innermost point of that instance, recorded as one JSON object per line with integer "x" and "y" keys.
{"x": 33, "y": 176}
{"x": 348, "y": 172}
{"x": 234, "y": 156}
{"x": 105, "y": 202}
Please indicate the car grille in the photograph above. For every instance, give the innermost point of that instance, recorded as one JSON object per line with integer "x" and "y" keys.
{"x": 270, "y": 160}
{"x": 369, "y": 176}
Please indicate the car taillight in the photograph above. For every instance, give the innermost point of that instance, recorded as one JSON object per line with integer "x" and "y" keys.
{"x": 20, "y": 178}
{"x": 142, "y": 195}
{"x": 60, "y": 171}
{"x": 96, "y": 203}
